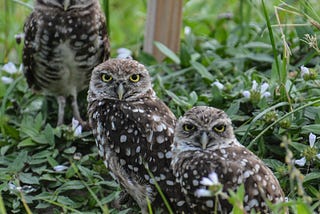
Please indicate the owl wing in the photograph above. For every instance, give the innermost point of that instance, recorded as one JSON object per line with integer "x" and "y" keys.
{"x": 191, "y": 168}
{"x": 234, "y": 166}
{"x": 155, "y": 122}
{"x": 259, "y": 181}
{"x": 29, "y": 49}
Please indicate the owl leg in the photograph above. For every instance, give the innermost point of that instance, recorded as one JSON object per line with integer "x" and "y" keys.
{"x": 62, "y": 103}
{"x": 75, "y": 109}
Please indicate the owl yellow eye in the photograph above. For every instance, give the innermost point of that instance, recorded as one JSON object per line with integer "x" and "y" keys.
{"x": 188, "y": 127}
{"x": 134, "y": 78}
{"x": 219, "y": 128}
{"x": 106, "y": 78}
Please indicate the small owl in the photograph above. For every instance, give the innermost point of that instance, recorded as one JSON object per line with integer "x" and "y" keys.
{"x": 204, "y": 143}
{"x": 133, "y": 131}
{"x": 64, "y": 41}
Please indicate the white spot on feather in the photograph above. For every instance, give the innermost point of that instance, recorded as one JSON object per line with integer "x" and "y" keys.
{"x": 123, "y": 138}
{"x": 156, "y": 118}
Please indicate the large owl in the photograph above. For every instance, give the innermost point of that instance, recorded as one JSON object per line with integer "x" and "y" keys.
{"x": 64, "y": 41}
{"x": 133, "y": 131}
{"x": 204, "y": 144}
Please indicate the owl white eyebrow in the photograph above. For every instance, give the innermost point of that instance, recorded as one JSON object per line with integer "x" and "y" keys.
{"x": 219, "y": 122}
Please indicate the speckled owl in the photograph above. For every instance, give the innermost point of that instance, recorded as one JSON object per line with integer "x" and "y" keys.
{"x": 133, "y": 131}
{"x": 205, "y": 145}
{"x": 64, "y": 41}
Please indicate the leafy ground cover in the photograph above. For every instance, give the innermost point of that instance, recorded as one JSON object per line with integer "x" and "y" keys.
{"x": 257, "y": 60}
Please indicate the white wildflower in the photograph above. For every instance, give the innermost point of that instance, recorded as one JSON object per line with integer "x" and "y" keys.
{"x": 246, "y": 94}
{"x": 219, "y": 85}
{"x": 312, "y": 139}
{"x": 60, "y": 168}
{"x": 6, "y": 80}
{"x": 301, "y": 162}
{"x": 124, "y": 53}
{"x": 12, "y": 186}
{"x": 76, "y": 127}
{"x": 304, "y": 71}
{"x": 202, "y": 193}
{"x": 10, "y": 68}
{"x": 211, "y": 180}
{"x": 263, "y": 90}
{"x": 255, "y": 88}
{"x": 187, "y": 30}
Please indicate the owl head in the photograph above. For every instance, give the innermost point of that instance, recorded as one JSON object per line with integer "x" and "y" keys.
{"x": 120, "y": 79}
{"x": 66, "y": 4}
{"x": 203, "y": 128}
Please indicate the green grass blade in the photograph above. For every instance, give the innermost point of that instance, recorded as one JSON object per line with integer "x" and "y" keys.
{"x": 161, "y": 193}
{"x": 62, "y": 206}
{"x": 281, "y": 118}
{"x": 275, "y": 53}
{"x": 167, "y": 52}
{"x": 107, "y": 15}
{"x": 2, "y": 207}
{"x": 259, "y": 116}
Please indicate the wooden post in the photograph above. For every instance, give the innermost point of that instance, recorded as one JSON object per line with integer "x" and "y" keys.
{"x": 163, "y": 24}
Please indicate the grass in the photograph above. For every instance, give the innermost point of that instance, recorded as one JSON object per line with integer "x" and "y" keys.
{"x": 235, "y": 43}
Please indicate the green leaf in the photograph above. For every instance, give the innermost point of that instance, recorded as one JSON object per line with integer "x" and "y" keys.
{"x": 233, "y": 109}
{"x": 70, "y": 150}
{"x": 86, "y": 171}
{"x": 314, "y": 128}
{"x": 298, "y": 146}
{"x": 27, "y": 142}
{"x": 71, "y": 172}
{"x": 70, "y": 185}
{"x": 19, "y": 162}
{"x": 66, "y": 201}
{"x": 52, "y": 162}
{"x": 257, "y": 45}
{"x": 311, "y": 176}
{"x": 273, "y": 163}
{"x": 4, "y": 149}
{"x": 177, "y": 100}
{"x": 302, "y": 208}
{"x": 166, "y": 51}
{"x": 110, "y": 197}
{"x": 236, "y": 199}
{"x": 193, "y": 97}
{"x": 202, "y": 71}
{"x": 47, "y": 177}
{"x": 28, "y": 178}
{"x": 49, "y": 134}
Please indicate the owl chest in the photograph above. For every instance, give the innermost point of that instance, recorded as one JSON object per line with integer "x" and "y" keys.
{"x": 122, "y": 137}
{"x": 67, "y": 49}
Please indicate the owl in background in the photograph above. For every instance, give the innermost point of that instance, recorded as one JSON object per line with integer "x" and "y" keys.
{"x": 205, "y": 145}
{"x": 134, "y": 132}
{"x": 64, "y": 41}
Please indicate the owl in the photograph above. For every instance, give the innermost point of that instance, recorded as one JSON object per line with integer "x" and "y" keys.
{"x": 134, "y": 132}
{"x": 64, "y": 41}
{"x": 205, "y": 145}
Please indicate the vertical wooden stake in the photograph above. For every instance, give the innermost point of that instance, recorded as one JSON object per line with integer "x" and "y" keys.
{"x": 164, "y": 21}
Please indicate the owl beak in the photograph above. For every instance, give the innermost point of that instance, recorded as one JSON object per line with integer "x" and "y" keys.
{"x": 204, "y": 140}
{"x": 120, "y": 91}
{"x": 66, "y": 4}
